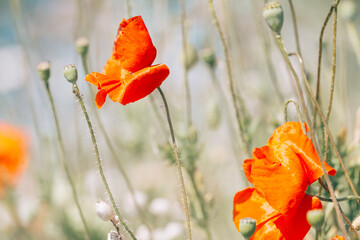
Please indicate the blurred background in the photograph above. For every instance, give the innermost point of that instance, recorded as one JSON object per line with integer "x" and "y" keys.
{"x": 41, "y": 206}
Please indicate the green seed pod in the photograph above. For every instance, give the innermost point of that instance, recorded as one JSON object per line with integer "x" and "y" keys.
{"x": 208, "y": 56}
{"x": 191, "y": 56}
{"x": 44, "y": 70}
{"x": 315, "y": 218}
{"x": 82, "y": 46}
{"x": 247, "y": 227}
{"x": 70, "y": 73}
{"x": 347, "y": 10}
{"x": 274, "y": 16}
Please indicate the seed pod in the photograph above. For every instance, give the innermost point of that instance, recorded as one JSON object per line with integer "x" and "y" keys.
{"x": 315, "y": 218}
{"x": 70, "y": 73}
{"x": 44, "y": 70}
{"x": 247, "y": 227}
{"x": 82, "y": 46}
{"x": 274, "y": 16}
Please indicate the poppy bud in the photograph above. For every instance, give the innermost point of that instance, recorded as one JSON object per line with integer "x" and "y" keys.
{"x": 347, "y": 10}
{"x": 44, "y": 70}
{"x": 315, "y": 218}
{"x": 112, "y": 235}
{"x": 208, "y": 56}
{"x": 104, "y": 211}
{"x": 191, "y": 56}
{"x": 274, "y": 16}
{"x": 82, "y": 46}
{"x": 356, "y": 223}
{"x": 70, "y": 73}
{"x": 247, "y": 227}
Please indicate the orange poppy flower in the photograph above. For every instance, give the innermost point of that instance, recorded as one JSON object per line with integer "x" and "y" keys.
{"x": 13, "y": 155}
{"x": 280, "y": 171}
{"x": 337, "y": 237}
{"x": 128, "y": 75}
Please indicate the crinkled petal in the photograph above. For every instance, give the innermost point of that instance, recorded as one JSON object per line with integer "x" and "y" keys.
{"x": 291, "y": 134}
{"x": 337, "y": 237}
{"x": 100, "y": 98}
{"x": 251, "y": 203}
{"x": 140, "y": 84}
{"x": 133, "y": 45}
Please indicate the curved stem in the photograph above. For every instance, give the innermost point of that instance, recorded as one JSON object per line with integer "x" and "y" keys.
{"x": 317, "y": 91}
{"x": 302, "y": 100}
{"x": 185, "y": 63}
{"x": 98, "y": 160}
{"x": 296, "y": 32}
{"x": 63, "y": 161}
{"x": 235, "y": 99}
{"x": 297, "y": 111}
{"x": 114, "y": 156}
{"x": 181, "y": 178}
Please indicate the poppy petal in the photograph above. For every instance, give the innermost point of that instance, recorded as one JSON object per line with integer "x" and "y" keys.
{"x": 91, "y": 78}
{"x": 100, "y": 98}
{"x": 140, "y": 84}
{"x": 291, "y": 134}
{"x": 133, "y": 45}
{"x": 251, "y": 203}
{"x": 280, "y": 176}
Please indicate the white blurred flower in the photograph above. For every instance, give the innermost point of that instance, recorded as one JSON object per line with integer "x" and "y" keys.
{"x": 160, "y": 206}
{"x": 171, "y": 231}
{"x": 129, "y": 205}
{"x": 12, "y": 74}
{"x": 104, "y": 211}
{"x": 143, "y": 233}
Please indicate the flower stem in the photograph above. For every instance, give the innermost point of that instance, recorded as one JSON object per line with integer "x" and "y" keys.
{"x": 63, "y": 161}
{"x": 181, "y": 178}
{"x": 185, "y": 63}
{"x": 235, "y": 99}
{"x": 347, "y": 198}
{"x": 302, "y": 100}
{"x": 296, "y": 32}
{"x": 297, "y": 111}
{"x": 98, "y": 160}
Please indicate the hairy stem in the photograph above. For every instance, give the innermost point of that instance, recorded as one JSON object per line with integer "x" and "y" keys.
{"x": 98, "y": 160}
{"x": 181, "y": 178}
{"x": 63, "y": 160}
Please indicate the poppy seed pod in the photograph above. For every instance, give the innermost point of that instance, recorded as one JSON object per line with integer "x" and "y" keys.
{"x": 247, "y": 227}
{"x": 44, "y": 70}
{"x": 104, "y": 211}
{"x": 70, "y": 73}
{"x": 274, "y": 16}
{"x": 208, "y": 56}
{"x": 315, "y": 218}
{"x": 82, "y": 46}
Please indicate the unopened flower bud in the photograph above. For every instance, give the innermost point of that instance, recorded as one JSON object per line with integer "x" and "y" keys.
{"x": 82, "y": 46}
{"x": 44, "y": 70}
{"x": 247, "y": 227}
{"x": 191, "y": 56}
{"x": 274, "y": 16}
{"x": 70, "y": 73}
{"x": 213, "y": 114}
{"x": 112, "y": 235}
{"x": 208, "y": 55}
{"x": 315, "y": 218}
{"x": 347, "y": 10}
{"x": 104, "y": 211}
{"x": 356, "y": 223}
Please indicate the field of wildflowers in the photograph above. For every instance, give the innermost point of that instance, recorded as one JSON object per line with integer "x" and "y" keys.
{"x": 168, "y": 120}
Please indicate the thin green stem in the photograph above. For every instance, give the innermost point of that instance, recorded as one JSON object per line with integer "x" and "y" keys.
{"x": 305, "y": 112}
{"x": 347, "y": 198}
{"x": 181, "y": 178}
{"x": 186, "y": 64}
{"x": 114, "y": 156}
{"x": 98, "y": 160}
{"x": 63, "y": 161}
{"x": 235, "y": 98}
{"x": 205, "y": 217}
{"x": 128, "y": 8}
{"x": 296, "y": 32}
{"x": 297, "y": 111}
{"x": 317, "y": 91}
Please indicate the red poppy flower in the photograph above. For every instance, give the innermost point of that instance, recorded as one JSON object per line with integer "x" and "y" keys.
{"x": 13, "y": 155}
{"x": 128, "y": 75}
{"x": 337, "y": 237}
{"x": 281, "y": 171}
